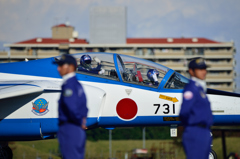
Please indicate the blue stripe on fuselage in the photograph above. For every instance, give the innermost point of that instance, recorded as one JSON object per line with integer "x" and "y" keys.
{"x": 51, "y": 124}
{"x": 45, "y": 68}
{"x": 29, "y": 129}
{"x": 158, "y": 120}
{"x": 41, "y": 67}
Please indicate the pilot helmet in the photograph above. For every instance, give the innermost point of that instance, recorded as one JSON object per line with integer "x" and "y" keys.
{"x": 85, "y": 60}
{"x": 152, "y": 75}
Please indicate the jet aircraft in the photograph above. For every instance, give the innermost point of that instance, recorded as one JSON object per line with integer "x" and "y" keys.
{"x": 121, "y": 96}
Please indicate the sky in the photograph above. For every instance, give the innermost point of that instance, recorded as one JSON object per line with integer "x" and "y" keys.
{"x": 217, "y": 20}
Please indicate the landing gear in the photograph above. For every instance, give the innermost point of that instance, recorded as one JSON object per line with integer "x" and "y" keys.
{"x": 233, "y": 156}
{"x": 212, "y": 155}
{"x": 5, "y": 151}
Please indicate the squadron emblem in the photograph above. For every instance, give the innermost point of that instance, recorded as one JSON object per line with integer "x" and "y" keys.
{"x": 40, "y": 107}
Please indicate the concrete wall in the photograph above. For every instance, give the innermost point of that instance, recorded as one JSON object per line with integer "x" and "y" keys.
{"x": 62, "y": 32}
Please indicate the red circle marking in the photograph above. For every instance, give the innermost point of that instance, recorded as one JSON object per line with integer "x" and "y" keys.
{"x": 127, "y": 109}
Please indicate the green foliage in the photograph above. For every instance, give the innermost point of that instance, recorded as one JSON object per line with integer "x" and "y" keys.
{"x": 158, "y": 133}
{"x": 129, "y": 133}
{"x": 97, "y": 134}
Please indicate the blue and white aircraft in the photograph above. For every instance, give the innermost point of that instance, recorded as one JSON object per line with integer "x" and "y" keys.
{"x": 120, "y": 96}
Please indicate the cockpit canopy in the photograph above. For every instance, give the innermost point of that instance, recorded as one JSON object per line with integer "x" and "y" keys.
{"x": 128, "y": 69}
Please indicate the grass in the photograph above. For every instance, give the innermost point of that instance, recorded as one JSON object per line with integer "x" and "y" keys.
{"x": 100, "y": 149}
{"x": 32, "y": 149}
{"x": 121, "y": 147}
{"x": 232, "y": 145}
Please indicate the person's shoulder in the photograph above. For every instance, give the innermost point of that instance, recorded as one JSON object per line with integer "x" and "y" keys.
{"x": 72, "y": 85}
{"x": 189, "y": 91}
{"x": 71, "y": 81}
{"x": 191, "y": 86}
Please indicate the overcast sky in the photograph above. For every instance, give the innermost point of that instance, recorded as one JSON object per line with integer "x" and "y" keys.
{"x": 214, "y": 19}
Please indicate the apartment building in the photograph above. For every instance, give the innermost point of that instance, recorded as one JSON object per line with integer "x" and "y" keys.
{"x": 171, "y": 52}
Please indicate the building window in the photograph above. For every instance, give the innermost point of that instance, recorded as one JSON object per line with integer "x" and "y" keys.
{"x": 139, "y": 52}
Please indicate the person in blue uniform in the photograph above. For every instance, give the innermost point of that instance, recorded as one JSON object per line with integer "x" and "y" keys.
{"x": 85, "y": 65}
{"x": 72, "y": 110}
{"x": 152, "y": 75}
{"x": 195, "y": 114}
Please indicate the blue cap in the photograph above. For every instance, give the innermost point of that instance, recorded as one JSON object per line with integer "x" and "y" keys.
{"x": 198, "y": 63}
{"x": 66, "y": 58}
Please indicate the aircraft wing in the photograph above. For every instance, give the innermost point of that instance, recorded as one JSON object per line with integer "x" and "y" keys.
{"x": 10, "y": 89}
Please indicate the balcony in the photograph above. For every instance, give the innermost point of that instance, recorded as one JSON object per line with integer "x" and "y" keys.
{"x": 33, "y": 54}
{"x": 220, "y": 65}
{"x": 3, "y": 54}
{"x": 218, "y": 54}
{"x": 74, "y": 51}
{"x": 47, "y": 53}
{"x": 223, "y": 87}
{"x": 220, "y": 77}
{"x": 222, "y": 74}
{"x": 129, "y": 52}
{"x": 174, "y": 65}
{"x": 168, "y": 53}
{"x": 21, "y": 54}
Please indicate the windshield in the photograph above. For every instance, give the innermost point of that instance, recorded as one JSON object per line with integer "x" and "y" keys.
{"x": 140, "y": 71}
{"x": 176, "y": 81}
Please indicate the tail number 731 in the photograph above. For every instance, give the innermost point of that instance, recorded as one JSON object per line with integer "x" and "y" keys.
{"x": 167, "y": 109}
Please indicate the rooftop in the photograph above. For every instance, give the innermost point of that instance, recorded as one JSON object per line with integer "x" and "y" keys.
{"x": 129, "y": 41}
{"x": 53, "y": 41}
{"x": 169, "y": 40}
{"x": 62, "y": 25}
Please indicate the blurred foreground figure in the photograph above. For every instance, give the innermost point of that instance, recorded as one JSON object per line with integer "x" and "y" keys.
{"x": 196, "y": 115}
{"x": 72, "y": 111}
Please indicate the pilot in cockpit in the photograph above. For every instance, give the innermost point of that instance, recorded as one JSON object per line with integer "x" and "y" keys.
{"x": 85, "y": 65}
{"x": 152, "y": 75}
